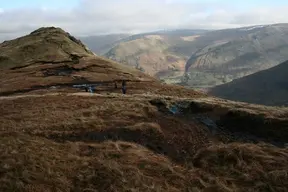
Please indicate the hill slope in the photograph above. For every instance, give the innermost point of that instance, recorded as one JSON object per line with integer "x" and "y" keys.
{"x": 268, "y": 87}
{"x": 42, "y": 46}
{"x": 113, "y": 143}
{"x": 202, "y": 59}
{"x": 157, "y": 137}
{"x": 155, "y": 53}
{"x": 237, "y": 53}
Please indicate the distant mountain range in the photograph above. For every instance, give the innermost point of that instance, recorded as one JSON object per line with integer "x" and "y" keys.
{"x": 234, "y": 53}
{"x": 268, "y": 87}
{"x": 199, "y": 58}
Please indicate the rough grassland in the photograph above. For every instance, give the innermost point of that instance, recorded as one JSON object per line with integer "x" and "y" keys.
{"x": 124, "y": 143}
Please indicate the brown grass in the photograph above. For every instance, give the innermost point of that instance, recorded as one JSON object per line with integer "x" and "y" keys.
{"x": 270, "y": 123}
{"x": 81, "y": 118}
{"x": 89, "y": 70}
{"x": 250, "y": 167}
{"x": 123, "y": 143}
{"x": 36, "y": 164}
{"x": 46, "y": 45}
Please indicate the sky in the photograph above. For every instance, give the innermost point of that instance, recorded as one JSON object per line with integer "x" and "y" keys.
{"x": 93, "y": 17}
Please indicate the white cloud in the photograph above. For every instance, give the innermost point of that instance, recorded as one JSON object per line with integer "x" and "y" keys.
{"x": 97, "y": 16}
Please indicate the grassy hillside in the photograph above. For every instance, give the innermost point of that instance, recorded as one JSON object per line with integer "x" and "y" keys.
{"x": 52, "y": 45}
{"x": 156, "y": 53}
{"x": 147, "y": 54}
{"x": 116, "y": 143}
{"x": 268, "y": 87}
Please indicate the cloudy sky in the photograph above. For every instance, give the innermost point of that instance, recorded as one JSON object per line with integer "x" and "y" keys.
{"x": 92, "y": 17}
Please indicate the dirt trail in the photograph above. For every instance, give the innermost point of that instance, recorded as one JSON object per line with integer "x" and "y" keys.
{"x": 112, "y": 95}
{"x": 24, "y": 96}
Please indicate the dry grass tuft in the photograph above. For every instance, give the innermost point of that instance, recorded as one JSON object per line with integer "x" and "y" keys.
{"x": 246, "y": 166}
{"x": 36, "y": 164}
{"x": 32, "y": 163}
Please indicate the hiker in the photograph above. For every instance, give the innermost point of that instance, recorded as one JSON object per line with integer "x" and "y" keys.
{"x": 86, "y": 88}
{"x": 90, "y": 89}
{"x": 115, "y": 85}
{"x": 124, "y": 87}
{"x": 93, "y": 88}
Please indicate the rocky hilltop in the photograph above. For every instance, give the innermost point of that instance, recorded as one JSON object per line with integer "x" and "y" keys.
{"x": 45, "y": 45}
{"x": 55, "y": 136}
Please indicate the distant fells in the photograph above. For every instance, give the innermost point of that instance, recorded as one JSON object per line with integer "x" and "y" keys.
{"x": 203, "y": 59}
{"x": 237, "y": 53}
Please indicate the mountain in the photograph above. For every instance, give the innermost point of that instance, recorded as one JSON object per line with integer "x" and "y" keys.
{"x": 268, "y": 87}
{"x": 155, "y": 53}
{"x": 203, "y": 59}
{"x": 234, "y": 53}
{"x": 101, "y": 44}
{"x": 55, "y": 136}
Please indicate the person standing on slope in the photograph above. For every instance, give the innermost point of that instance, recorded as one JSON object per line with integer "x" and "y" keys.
{"x": 124, "y": 87}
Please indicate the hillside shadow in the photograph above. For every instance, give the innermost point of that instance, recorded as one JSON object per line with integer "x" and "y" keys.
{"x": 229, "y": 125}
{"x": 151, "y": 138}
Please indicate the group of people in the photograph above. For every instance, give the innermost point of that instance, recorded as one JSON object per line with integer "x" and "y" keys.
{"x": 91, "y": 89}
